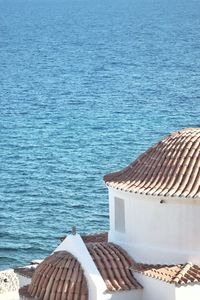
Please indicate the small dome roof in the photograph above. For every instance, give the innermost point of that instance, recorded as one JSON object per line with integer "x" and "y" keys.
{"x": 169, "y": 168}
{"x": 59, "y": 276}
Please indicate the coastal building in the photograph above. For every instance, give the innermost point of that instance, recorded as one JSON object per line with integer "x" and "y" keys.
{"x": 82, "y": 269}
{"x": 152, "y": 251}
{"x": 154, "y": 202}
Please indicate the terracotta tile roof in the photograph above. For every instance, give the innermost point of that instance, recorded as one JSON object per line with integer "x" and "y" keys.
{"x": 95, "y": 238}
{"x": 58, "y": 277}
{"x": 113, "y": 264}
{"x": 169, "y": 168}
{"x": 92, "y": 238}
{"x": 24, "y": 294}
{"x": 178, "y": 274}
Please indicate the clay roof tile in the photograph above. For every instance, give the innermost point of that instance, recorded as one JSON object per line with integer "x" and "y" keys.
{"x": 180, "y": 274}
{"x": 113, "y": 264}
{"x": 169, "y": 168}
{"x": 58, "y": 277}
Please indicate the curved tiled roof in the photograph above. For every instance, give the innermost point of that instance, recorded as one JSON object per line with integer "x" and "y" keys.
{"x": 59, "y": 276}
{"x": 92, "y": 238}
{"x": 114, "y": 265}
{"x": 169, "y": 168}
{"x": 178, "y": 274}
{"x": 95, "y": 238}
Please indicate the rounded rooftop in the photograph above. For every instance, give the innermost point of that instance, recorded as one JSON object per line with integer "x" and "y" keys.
{"x": 169, "y": 168}
{"x": 59, "y": 276}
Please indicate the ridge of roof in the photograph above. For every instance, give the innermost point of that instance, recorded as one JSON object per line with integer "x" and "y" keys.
{"x": 180, "y": 274}
{"x": 169, "y": 168}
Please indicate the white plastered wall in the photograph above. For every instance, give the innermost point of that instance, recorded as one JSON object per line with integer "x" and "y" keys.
{"x": 188, "y": 292}
{"x": 9, "y": 285}
{"x": 157, "y": 232}
{"x": 125, "y": 295}
{"x": 155, "y": 289}
{"x": 9, "y": 296}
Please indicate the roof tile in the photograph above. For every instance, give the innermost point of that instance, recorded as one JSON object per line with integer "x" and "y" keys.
{"x": 169, "y": 168}
{"x": 181, "y": 274}
{"x": 113, "y": 264}
{"x": 58, "y": 277}
{"x": 92, "y": 238}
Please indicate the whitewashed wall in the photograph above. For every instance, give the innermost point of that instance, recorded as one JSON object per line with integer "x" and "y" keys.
{"x": 155, "y": 232}
{"x": 188, "y": 292}
{"x": 9, "y": 285}
{"x": 125, "y": 295}
{"x": 155, "y": 289}
{"x": 9, "y": 296}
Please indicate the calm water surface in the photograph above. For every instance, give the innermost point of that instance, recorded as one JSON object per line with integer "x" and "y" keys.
{"x": 85, "y": 86}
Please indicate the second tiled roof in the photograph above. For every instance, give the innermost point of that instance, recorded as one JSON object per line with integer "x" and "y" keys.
{"x": 181, "y": 274}
{"x": 113, "y": 264}
{"x": 169, "y": 168}
{"x": 91, "y": 238}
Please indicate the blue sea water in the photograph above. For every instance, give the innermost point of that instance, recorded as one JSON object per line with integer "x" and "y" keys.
{"x": 85, "y": 87}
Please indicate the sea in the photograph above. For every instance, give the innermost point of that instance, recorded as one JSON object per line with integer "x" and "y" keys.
{"x": 85, "y": 87}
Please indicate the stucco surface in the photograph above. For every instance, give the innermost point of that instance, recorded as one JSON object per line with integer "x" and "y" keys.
{"x": 8, "y": 281}
{"x": 157, "y": 232}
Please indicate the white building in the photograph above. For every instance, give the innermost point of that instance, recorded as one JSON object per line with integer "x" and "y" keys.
{"x": 153, "y": 247}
